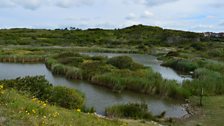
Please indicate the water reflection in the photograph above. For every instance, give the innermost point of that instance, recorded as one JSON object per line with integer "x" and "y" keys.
{"x": 97, "y": 97}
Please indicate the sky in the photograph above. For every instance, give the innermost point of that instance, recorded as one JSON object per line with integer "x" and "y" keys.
{"x": 189, "y": 15}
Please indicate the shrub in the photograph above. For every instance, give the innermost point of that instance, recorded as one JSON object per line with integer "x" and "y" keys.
{"x": 49, "y": 62}
{"x": 173, "y": 53}
{"x": 216, "y": 52}
{"x": 124, "y": 62}
{"x": 72, "y": 61}
{"x": 131, "y": 110}
{"x": 40, "y": 88}
{"x": 212, "y": 82}
{"x": 67, "y": 54}
{"x": 92, "y": 68}
{"x": 176, "y": 91}
{"x": 36, "y": 86}
{"x": 198, "y": 46}
{"x": 67, "y": 98}
{"x": 182, "y": 65}
{"x": 73, "y": 73}
{"x": 99, "y": 58}
{"x": 58, "y": 69}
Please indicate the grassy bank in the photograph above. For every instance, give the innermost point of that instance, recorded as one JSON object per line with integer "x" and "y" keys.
{"x": 210, "y": 114}
{"x": 207, "y": 72}
{"x": 40, "y": 88}
{"x": 22, "y": 59}
{"x": 20, "y": 109}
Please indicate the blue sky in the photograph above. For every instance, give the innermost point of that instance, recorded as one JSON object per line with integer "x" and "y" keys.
{"x": 192, "y": 15}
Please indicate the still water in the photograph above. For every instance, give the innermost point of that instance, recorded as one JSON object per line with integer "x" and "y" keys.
{"x": 99, "y": 97}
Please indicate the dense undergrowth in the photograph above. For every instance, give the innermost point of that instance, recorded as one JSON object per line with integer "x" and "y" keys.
{"x": 137, "y": 35}
{"x": 40, "y": 88}
{"x": 207, "y": 73}
{"x": 130, "y": 110}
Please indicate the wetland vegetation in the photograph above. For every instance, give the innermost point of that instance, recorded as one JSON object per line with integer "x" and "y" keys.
{"x": 186, "y": 52}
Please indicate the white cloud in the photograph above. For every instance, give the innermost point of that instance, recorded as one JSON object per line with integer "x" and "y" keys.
{"x": 147, "y": 14}
{"x": 154, "y": 2}
{"x": 6, "y": 3}
{"x": 34, "y": 4}
{"x": 28, "y": 4}
{"x": 131, "y": 16}
{"x": 71, "y": 3}
{"x": 175, "y": 14}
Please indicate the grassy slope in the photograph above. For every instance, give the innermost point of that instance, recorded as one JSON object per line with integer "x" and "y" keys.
{"x": 212, "y": 113}
{"x": 134, "y": 35}
{"x": 19, "y": 109}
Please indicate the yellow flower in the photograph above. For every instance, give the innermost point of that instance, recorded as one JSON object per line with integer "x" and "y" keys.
{"x": 55, "y": 114}
{"x": 44, "y": 104}
{"x": 1, "y": 86}
{"x": 78, "y": 110}
{"x": 34, "y": 99}
{"x": 33, "y": 111}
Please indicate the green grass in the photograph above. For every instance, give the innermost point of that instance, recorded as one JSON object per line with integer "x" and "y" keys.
{"x": 131, "y": 110}
{"x": 211, "y": 114}
{"x": 40, "y": 88}
{"x": 137, "y": 35}
{"x": 19, "y": 109}
{"x": 143, "y": 81}
{"x": 182, "y": 65}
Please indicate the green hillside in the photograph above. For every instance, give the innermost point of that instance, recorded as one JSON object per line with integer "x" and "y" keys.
{"x": 134, "y": 35}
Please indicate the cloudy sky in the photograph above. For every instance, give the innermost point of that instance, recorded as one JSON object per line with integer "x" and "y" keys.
{"x": 192, "y": 15}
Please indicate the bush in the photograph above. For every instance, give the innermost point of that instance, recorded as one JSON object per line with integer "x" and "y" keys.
{"x": 216, "y": 52}
{"x": 124, "y": 62}
{"x": 67, "y": 54}
{"x": 67, "y": 98}
{"x": 40, "y": 88}
{"x": 58, "y": 69}
{"x": 198, "y": 46}
{"x": 92, "y": 68}
{"x": 131, "y": 110}
{"x": 72, "y": 61}
{"x": 212, "y": 82}
{"x": 49, "y": 62}
{"x": 176, "y": 91}
{"x": 36, "y": 86}
{"x": 73, "y": 73}
{"x": 181, "y": 65}
{"x": 173, "y": 53}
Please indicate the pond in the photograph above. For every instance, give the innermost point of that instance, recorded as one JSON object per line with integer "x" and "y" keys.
{"x": 96, "y": 96}
{"x": 151, "y": 61}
